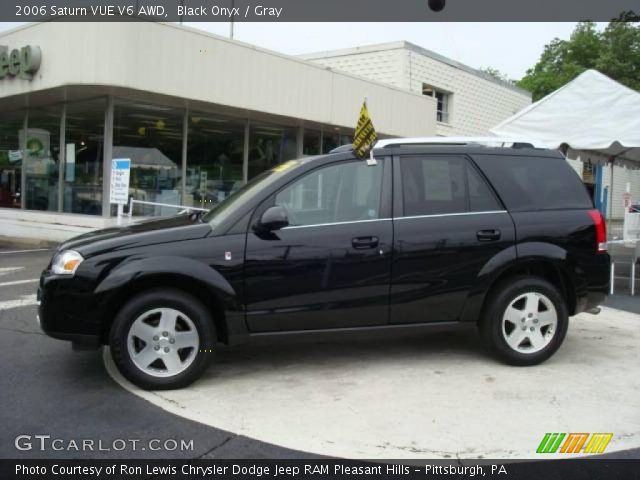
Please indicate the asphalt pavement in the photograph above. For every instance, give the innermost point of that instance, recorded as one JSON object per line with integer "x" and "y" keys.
{"x": 46, "y": 389}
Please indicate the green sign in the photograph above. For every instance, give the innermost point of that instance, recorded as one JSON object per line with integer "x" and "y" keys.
{"x": 21, "y": 63}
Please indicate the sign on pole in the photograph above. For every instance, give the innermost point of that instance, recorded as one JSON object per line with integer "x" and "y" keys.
{"x": 120, "y": 169}
{"x": 365, "y": 135}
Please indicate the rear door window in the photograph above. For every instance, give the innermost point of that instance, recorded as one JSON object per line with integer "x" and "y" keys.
{"x": 443, "y": 185}
{"x": 527, "y": 183}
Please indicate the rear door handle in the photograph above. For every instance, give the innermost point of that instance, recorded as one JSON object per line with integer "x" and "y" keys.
{"x": 360, "y": 243}
{"x": 488, "y": 235}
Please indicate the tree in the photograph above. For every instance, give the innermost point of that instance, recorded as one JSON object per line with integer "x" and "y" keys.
{"x": 563, "y": 60}
{"x": 497, "y": 74}
{"x": 620, "y": 52}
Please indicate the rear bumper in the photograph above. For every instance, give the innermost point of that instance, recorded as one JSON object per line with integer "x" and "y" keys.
{"x": 594, "y": 291}
{"x": 593, "y": 300}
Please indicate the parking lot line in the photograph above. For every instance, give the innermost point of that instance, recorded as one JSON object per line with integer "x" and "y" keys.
{"x": 9, "y": 270}
{"x": 24, "y": 301}
{"x": 18, "y": 282}
{"x": 9, "y": 252}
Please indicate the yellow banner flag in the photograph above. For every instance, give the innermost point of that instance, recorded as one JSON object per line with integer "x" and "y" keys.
{"x": 365, "y": 135}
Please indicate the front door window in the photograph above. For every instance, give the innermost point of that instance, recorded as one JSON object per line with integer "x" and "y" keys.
{"x": 338, "y": 193}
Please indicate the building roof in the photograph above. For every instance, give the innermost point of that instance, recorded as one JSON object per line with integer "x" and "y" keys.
{"x": 405, "y": 45}
{"x": 233, "y": 41}
{"x": 182, "y": 66}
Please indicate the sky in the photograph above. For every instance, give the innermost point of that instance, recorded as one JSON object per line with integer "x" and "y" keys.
{"x": 512, "y": 48}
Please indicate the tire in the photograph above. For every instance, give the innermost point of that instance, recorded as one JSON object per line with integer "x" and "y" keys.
{"x": 530, "y": 341}
{"x": 142, "y": 334}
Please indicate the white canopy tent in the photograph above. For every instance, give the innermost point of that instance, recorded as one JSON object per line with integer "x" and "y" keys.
{"x": 592, "y": 114}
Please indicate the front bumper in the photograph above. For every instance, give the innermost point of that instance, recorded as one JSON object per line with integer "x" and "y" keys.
{"x": 67, "y": 310}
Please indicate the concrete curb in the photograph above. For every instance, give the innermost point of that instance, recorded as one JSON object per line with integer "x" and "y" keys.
{"x": 26, "y": 243}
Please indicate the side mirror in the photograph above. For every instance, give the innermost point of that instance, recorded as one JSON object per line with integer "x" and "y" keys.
{"x": 274, "y": 218}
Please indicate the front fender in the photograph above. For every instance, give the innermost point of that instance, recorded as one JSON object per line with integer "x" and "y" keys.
{"x": 138, "y": 269}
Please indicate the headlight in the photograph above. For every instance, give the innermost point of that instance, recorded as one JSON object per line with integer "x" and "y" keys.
{"x": 66, "y": 263}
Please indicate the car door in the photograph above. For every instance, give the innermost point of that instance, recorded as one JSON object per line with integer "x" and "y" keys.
{"x": 448, "y": 224}
{"x": 331, "y": 267}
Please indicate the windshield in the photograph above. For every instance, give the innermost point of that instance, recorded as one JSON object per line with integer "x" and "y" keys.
{"x": 262, "y": 182}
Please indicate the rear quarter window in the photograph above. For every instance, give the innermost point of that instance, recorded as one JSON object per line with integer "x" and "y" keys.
{"x": 528, "y": 183}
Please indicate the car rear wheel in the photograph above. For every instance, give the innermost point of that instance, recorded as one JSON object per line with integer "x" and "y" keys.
{"x": 525, "y": 320}
{"x": 162, "y": 339}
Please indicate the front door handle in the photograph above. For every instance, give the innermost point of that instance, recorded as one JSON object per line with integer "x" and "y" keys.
{"x": 488, "y": 235}
{"x": 360, "y": 243}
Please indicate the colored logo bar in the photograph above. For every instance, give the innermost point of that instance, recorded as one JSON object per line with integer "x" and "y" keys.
{"x": 574, "y": 442}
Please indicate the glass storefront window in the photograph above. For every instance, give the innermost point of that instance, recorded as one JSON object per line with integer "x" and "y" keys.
{"x": 346, "y": 139}
{"x": 11, "y": 159}
{"x": 82, "y": 176}
{"x": 215, "y": 148}
{"x": 334, "y": 137}
{"x": 311, "y": 145}
{"x": 330, "y": 140}
{"x": 151, "y": 137}
{"x": 41, "y": 158}
{"x": 270, "y": 145}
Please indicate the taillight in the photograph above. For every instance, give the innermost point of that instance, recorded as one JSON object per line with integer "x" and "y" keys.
{"x": 601, "y": 230}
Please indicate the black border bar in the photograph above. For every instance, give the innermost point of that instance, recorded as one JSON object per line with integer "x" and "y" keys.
{"x": 315, "y": 10}
{"x": 582, "y": 468}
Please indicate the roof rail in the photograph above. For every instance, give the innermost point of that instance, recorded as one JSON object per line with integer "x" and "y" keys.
{"x": 342, "y": 148}
{"x": 486, "y": 141}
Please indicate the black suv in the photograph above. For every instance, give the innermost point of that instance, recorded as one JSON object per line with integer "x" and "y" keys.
{"x": 426, "y": 235}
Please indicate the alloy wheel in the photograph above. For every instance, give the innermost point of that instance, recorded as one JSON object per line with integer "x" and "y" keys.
{"x": 529, "y": 323}
{"x": 163, "y": 342}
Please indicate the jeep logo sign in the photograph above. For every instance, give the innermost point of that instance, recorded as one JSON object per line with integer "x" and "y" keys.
{"x": 23, "y": 63}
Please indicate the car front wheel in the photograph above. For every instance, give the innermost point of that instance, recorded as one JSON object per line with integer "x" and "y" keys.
{"x": 162, "y": 339}
{"x": 525, "y": 321}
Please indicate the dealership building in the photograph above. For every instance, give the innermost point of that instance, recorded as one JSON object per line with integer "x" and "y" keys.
{"x": 198, "y": 115}
{"x": 469, "y": 102}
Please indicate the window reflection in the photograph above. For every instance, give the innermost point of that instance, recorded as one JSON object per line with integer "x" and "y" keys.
{"x": 311, "y": 145}
{"x": 41, "y": 158}
{"x": 330, "y": 140}
{"x": 346, "y": 139}
{"x": 151, "y": 137}
{"x": 214, "y": 158}
{"x": 82, "y": 174}
{"x": 270, "y": 145}
{"x": 338, "y": 193}
{"x": 11, "y": 159}
{"x": 335, "y": 137}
